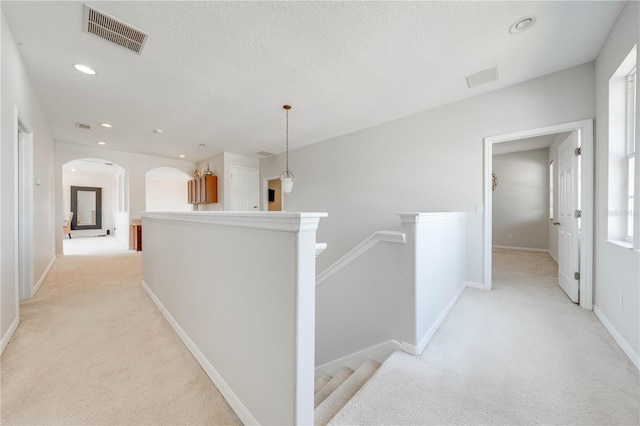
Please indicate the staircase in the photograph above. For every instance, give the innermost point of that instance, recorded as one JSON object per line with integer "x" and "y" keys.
{"x": 333, "y": 393}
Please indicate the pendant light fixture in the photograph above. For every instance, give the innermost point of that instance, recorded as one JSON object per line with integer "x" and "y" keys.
{"x": 287, "y": 176}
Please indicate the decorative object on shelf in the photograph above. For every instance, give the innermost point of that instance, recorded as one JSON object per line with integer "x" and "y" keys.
{"x": 198, "y": 173}
{"x": 287, "y": 176}
{"x": 494, "y": 181}
{"x": 208, "y": 172}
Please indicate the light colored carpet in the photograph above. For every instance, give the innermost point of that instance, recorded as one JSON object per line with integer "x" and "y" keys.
{"x": 93, "y": 349}
{"x": 519, "y": 354}
{"x": 91, "y": 245}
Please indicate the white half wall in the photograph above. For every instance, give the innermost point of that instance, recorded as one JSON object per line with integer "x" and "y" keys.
{"x": 617, "y": 268}
{"x": 238, "y": 288}
{"x": 521, "y": 199}
{"x": 431, "y": 161}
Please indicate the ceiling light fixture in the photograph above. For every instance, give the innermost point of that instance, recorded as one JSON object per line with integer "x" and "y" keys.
{"x": 107, "y": 125}
{"x": 73, "y": 170}
{"x": 182, "y": 156}
{"x": 84, "y": 69}
{"x": 101, "y": 143}
{"x": 158, "y": 131}
{"x": 287, "y": 176}
{"x": 522, "y": 24}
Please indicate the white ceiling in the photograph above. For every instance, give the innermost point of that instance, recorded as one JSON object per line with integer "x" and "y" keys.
{"x": 92, "y": 165}
{"x": 526, "y": 144}
{"x": 218, "y": 73}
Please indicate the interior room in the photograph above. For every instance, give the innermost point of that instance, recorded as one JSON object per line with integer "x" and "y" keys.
{"x": 420, "y": 212}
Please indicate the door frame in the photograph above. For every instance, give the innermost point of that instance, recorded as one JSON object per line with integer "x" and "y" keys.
{"x": 23, "y": 232}
{"x": 265, "y": 193}
{"x": 585, "y": 137}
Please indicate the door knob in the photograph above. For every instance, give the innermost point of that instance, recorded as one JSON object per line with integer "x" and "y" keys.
{"x": 556, "y": 223}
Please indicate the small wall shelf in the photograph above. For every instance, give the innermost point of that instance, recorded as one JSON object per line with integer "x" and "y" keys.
{"x": 203, "y": 190}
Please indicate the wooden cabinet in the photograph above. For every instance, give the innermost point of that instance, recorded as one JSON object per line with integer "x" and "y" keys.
{"x": 203, "y": 190}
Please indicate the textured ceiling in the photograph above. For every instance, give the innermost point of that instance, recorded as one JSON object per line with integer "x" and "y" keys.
{"x": 218, "y": 73}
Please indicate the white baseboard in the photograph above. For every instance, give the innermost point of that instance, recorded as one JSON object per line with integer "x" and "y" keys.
{"x": 9, "y": 334}
{"x": 378, "y": 353}
{"x": 474, "y": 285}
{"x": 234, "y": 402}
{"x": 621, "y": 341}
{"x": 417, "y": 350}
{"x": 42, "y": 278}
{"x": 552, "y": 256}
{"x": 521, "y": 248}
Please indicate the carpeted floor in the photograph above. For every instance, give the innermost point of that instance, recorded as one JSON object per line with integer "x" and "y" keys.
{"x": 92, "y": 349}
{"x": 519, "y": 354}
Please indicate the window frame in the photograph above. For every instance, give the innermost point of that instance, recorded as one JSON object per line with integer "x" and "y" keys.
{"x": 631, "y": 143}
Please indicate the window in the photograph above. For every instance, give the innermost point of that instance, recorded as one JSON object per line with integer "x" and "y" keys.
{"x": 631, "y": 151}
{"x": 622, "y": 223}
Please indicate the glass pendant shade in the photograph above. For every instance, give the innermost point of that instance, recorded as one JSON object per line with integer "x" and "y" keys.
{"x": 287, "y": 182}
{"x": 286, "y": 178}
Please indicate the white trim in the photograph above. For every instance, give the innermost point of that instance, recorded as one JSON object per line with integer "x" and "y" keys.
{"x": 379, "y": 353}
{"x": 274, "y": 221}
{"x": 624, "y": 345}
{"x": 474, "y": 284}
{"x": 359, "y": 250}
{"x": 234, "y": 402}
{"x": 552, "y": 256}
{"x": 585, "y": 132}
{"x": 417, "y": 350}
{"x": 522, "y": 248}
{"x": 9, "y": 334}
{"x": 416, "y": 217}
{"x": 43, "y": 277}
{"x": 320, "y": 247}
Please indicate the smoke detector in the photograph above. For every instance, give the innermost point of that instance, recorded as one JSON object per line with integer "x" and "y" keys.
{"x": 110, "y": 29}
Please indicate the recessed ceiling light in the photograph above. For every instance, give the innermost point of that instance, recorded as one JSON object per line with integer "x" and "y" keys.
{"x": 73, "y": 170}
{"x": 107, "y": 125}
{"x": 182, "y": 156}
{"x": 522, "y": 24}
{"x": 158, "y": 131}
{"x": 101, "y": 143}
{"x": 85, "y": 69}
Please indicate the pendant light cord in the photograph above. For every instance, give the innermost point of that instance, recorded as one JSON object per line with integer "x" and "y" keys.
{"x": 287, "y": 153}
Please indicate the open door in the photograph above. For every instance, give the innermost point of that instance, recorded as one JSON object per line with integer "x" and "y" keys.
{"x": 569, "y": 217}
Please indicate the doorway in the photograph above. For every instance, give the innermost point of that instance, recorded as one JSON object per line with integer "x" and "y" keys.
{"x": 272, "y": 197}
{"x": 584, "y": 132}
{"x": 24, "y": 218}
{"x": 244, "y": 189}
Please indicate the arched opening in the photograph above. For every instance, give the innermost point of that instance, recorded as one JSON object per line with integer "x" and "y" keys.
{"x": 95, "y": 203}
{"x": 166, "y": 190}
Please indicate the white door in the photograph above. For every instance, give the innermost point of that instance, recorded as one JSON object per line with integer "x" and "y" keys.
{"x": 568, "y": 205}
{"x": 244, "y": 189}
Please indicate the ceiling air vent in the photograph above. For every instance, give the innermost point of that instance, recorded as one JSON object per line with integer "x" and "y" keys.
{"x": 264, "y": 153}
{"x": 110, "y": 29}
{"x": 83, "y": 126}
{"x": 482, "y": 77}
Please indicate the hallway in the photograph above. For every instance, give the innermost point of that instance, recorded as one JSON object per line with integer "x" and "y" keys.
{"x": 92, "y": 348}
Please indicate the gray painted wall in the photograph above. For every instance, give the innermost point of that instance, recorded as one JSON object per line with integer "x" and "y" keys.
{"x": 431, "y": 161}
{"x": 521, "y": 199}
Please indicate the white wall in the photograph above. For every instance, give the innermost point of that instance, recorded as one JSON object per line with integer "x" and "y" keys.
{"x": 521, "y": 199}
{"x": 98, "y": 180}
{"x": 167, "y": 196}
{"x": 431, "y": 161}
{"x": 19, "y": 102}
{"x": 137, "y": 165}
{"x": 617, "y": 269}
{"x": 221, "y": 166}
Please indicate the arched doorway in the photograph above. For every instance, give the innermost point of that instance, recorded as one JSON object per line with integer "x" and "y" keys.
{"x": 96, "y": 191}
{"x": 166, "y": 190}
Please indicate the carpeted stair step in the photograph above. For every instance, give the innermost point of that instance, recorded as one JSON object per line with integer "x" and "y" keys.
{"x": 334, "y": 402}
{"x": 320, "y": 383}
{"x": 332, "y": 385}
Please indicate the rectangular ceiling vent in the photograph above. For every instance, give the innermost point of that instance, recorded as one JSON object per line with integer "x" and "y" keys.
{"x": 83, "y": 126}
{"x": 264, "y": 153}
{"x": 482, "y": 77}
{"x": 110, "y": 29}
